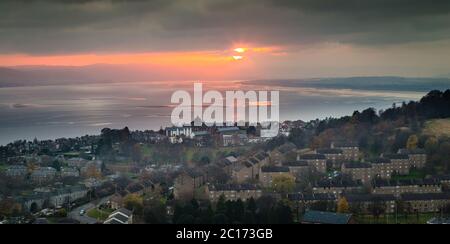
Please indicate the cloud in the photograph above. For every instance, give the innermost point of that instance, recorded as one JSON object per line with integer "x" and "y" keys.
{"x": 51, "y": 26}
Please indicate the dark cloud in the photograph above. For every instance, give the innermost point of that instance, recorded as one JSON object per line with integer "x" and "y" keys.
{"x": 51, "y": 26}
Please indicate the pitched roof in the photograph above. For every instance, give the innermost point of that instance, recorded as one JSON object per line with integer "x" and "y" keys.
{"x": 312, "y": 156}
{"x": 329, "y": 151}
{"x": 312, "y": 197}
{"x": 274, "y": 169}
{"x": 326, "y": 217}
{"x": 234, "y": 187}
{"x": 425, "y": 196}
{"x": 369, "y": 197}
{"x": 396, "y": 156}
{"x": 300, "y": 163}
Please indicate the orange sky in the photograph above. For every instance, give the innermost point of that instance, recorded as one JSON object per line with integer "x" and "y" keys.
{"x": 185, "y": 59}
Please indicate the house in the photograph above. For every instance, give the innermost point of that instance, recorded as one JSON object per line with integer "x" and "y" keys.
{"x": 116, "y": 201}
{"x": 69, "y": 172}
{"x": 233, "y": 192}
{"x": 316, "y": 161}
{"x": 399, "y": 187}
{"x": 298, "y": 167}
{"x": 364, "y": 202}
{"x": 244, "y": 172}
{"x": 201, "y": 138}
{"x": 318, "y": 217}
{"x": 307, "y": 200}
{"x": 65, "y": 195}
{"x": 400, "y": 163}
{"x": 120, "y": 216}
{"x": 333, "y": 155}
{"x": 179, "y": 131}
{"x": 43, "y": 174}
{"x": 383, "y": 168}
{"x": 187, "y": 182}
{"x": 268, "y": 173}
{"x": 417, "y": 157}
{"x": 349, "y": 149}
{"x": 278, "y": 155}
{"x": 231, "y": 136}
{"x": 337, "y": 188}
{"x": 359, "y": 171}
{"x": 227, "y": 164}
{"x": 426, "y": 203}
{"x": 16, "y": 171}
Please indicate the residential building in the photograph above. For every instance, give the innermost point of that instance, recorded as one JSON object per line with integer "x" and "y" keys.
{"x": 179, "y": 131}
{"x": 417, "y": 157}
{"x": 16, "y": 171}
{"x": 400, "y": 163}
{"x": 298, "y": 167}
{"x": 43, "y": 174}
{"x": 359, "y": 171}
{"x": 349, "y": 149}
{"x": 333, "y": 155}
{"x": 244, "y": 172}
{"x": 364, "y": 202}
{"x": 187, "y": 182}
{"x": 268, "y": 173}
{"x": 316, "y": 161}
{"x": 383, "y": 168}
{"x": 120, "y": 216}
{"x": 337, "y": 188}
{"x": 233, "y": 192}
{"x": 399, "y": 187}
{"x": 69, "y": 172}
{"x": 426, "y": 203}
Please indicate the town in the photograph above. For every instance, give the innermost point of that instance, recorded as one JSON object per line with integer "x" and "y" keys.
{"x": 367, "y": 168}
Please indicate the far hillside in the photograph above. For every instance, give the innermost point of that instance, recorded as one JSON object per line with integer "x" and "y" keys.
{"x": 437, "y": 127}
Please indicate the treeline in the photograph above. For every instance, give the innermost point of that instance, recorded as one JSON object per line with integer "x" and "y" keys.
{"x": 265, "y": 210}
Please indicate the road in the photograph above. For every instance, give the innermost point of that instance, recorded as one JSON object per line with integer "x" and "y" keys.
{"x": 84, "y": 219}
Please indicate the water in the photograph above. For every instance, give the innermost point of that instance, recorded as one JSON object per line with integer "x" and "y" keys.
{"x": 49, "y": 112}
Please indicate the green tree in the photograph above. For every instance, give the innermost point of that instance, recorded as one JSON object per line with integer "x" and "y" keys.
{"x": 283, "y": 184}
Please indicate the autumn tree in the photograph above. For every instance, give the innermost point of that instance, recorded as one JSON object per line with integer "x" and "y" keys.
{"x": 343, "y": 206}
{"x": 412, "y": 142}
{"x": 134, "y": 202}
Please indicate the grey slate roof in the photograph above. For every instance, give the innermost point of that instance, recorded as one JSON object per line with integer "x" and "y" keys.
{"x": 326, "y": 217}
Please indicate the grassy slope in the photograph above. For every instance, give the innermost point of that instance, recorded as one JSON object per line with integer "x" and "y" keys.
{"x": 437, "y": 127}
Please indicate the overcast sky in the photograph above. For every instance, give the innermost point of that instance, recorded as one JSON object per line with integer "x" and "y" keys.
{"x": 285, "y": 38}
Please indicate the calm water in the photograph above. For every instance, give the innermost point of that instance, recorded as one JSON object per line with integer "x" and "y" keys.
{"x": 49, "y": 112}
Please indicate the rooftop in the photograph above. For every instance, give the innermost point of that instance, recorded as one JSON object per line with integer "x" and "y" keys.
{"x": 326, "y": 217}
{"x": 274, "y": 169}
{"x": 313, "y": 157}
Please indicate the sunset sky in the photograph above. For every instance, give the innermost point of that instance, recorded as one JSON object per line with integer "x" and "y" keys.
{"x": 250, "y": 38}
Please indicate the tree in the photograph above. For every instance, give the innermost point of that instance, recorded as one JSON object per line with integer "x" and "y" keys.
{"x": 377, "y": 208}
{"x": 221, "y": 206}
{"x": 412, "y": 142}
{"x": 283, "y": 184}
{"x": 343, "y": 206}
{"x": 134, "y": 202}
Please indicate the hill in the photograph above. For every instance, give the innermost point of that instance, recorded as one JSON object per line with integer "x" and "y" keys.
{"x": 437, "y": 127}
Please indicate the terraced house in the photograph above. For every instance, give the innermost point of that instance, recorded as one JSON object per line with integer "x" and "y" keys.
{"x": 399, "y": 187}
{"x": 233, "y": 192}
{"x": 317, "y": 161}
{"x": 268, "y": 173}
{"x": 359, "y": 171}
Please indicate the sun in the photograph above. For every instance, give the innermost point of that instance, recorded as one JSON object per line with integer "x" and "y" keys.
{"x": 238, "y": 57}
{"x": 240, "y": 50}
